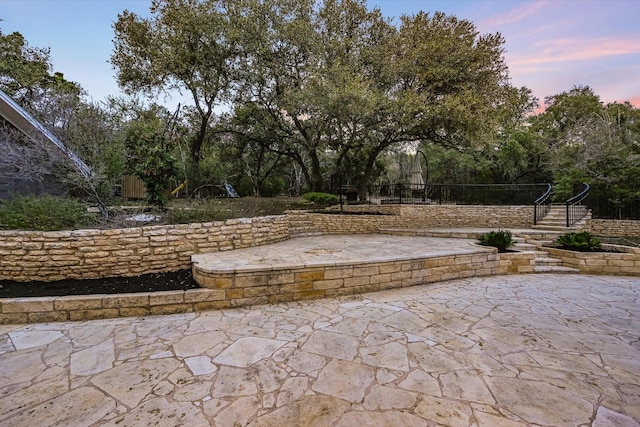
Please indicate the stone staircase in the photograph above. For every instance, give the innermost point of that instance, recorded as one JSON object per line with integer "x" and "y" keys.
{"x": 544, "y": 263}
{"x": 556, "y": 219}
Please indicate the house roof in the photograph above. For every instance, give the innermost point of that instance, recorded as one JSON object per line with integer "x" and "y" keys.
{"x": 28, "y": 125}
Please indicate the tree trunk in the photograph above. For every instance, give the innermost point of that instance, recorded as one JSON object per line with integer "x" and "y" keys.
{"x": 198, "y": 141}
{"x": 316, "y": 181}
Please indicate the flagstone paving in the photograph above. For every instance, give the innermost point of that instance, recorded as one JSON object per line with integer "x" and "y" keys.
{"x": 528, "y": 350}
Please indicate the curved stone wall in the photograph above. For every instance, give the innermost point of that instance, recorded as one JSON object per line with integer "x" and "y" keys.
{"x": 87, "y": 254}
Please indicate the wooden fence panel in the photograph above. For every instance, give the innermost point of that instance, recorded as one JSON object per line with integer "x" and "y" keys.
{"x": 133, "y": 187}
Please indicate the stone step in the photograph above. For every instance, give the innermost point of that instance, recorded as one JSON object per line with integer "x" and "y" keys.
{"x": 554, "y": 228}
{"x": 555, "y": 269}
{"x": 558, "y": 222}
{"x": 548, "y": 261}
{"x": 525, "y": 247}
{"x": 555, "y": 214}
{"x": 553, "y": 221}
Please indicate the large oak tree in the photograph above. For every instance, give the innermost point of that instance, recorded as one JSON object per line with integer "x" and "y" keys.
{"x": 330, "y": 84}
{"x": 338, "y": 80}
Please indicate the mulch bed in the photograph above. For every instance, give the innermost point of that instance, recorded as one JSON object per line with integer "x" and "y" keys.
{"x": 173, "y": 281}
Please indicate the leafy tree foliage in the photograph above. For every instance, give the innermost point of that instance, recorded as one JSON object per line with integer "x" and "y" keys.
{"x": 337, "y": 79}
{"x": 185, "y": 45}
{"x": 150, "y": 157}
{"x": 312, "y": 90}
{"x": 26, "y": 75}
{"x": 592, "y": 142}
{"x": 22, "y": 68}
{"x": 315, "y": 81}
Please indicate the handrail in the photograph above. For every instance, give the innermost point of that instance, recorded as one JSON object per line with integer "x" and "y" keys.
{"x": 573, "y": 202}
{"x": 539, "y": 213}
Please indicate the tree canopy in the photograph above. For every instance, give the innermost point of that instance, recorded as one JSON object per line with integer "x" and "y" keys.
{"x": 303, "y": 93}
{"x": 323, "y": 83}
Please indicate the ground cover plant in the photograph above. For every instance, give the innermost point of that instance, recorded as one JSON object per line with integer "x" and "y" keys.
{"x": 582, "y": 241}
{"x": 43, "y": 213}
{"x": 52, "y": 213}
{"x": 498, "y": 239}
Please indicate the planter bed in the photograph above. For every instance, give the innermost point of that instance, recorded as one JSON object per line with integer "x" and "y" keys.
{"x": 613, "y": 259}
{"x": 154, "y": 282}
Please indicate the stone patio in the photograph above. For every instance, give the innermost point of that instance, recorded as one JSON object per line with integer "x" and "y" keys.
{"x": 521, "y": 350}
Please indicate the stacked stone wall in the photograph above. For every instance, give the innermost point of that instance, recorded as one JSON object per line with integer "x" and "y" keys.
{"x": 262, "y": 287}
{"x": 408, "y": 216}
{"x": 613, "y": 227}
{"x": 85, "y": 254}
{"x": 454, "y": 216}
{"x": 625, "y": 262}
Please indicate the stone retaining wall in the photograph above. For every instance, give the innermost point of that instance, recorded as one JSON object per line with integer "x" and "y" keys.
{"x": 50, "y": 256}
{"x": 614, "y": 227}
{"x": 625, "y": 262}
{"x": 85, "y": 254}
{"x": 252, "y": 288}
{"x": 516, "y": 262}
{"x": 454, "y": 216}
{"x": 262, "y": 287}
{"x": 408, "y": 216}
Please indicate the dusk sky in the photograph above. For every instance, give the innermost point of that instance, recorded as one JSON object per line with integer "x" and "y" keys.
{"x": 551, "y": 45}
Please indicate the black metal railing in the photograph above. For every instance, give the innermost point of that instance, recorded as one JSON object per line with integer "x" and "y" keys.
{"x": 607, "y": 203}
{"x": 575, "y": 209}
{"x": 607, "y": 208}
{"x": 542, "y": 205}
{"x": 461, "y": 194}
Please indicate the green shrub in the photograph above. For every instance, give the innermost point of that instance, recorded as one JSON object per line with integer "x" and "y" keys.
{"x": 582, "y": 241}
{"x": 321, "y": 199}
{"x": 182, "y": 212}
{"x": 44, "y": 213}
{"x": 191, "y": 215}
{"x": 498, "y": 239}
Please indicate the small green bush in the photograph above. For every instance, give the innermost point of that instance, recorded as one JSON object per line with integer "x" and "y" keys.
{"x": 498, "y": 239}
{"x": 43, "y": 213}
{"x": 321, "y": 199}
{"x": 582, "y": 241}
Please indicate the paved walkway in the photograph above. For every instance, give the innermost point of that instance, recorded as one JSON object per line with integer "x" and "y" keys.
{"x": 531, "y": 350}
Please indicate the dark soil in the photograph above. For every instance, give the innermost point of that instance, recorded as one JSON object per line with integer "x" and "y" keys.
{"x": 592, "y": 250}
{"x": 352, "y": 213}
{"x": 173, "y": 281}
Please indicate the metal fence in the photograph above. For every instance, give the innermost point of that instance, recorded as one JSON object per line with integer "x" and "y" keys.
{"x": 461, "y": 194}
{"x": 604, "y": 208}
{"x": 604, "y": 204}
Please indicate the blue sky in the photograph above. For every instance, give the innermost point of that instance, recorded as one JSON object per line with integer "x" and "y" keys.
{"x": 551, "y": 45}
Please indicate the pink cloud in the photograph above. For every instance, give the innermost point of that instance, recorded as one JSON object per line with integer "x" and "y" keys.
{"x": 515, "y": 15}
{"x": 578, "y": 49}
{"x": 635, "y": 101}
